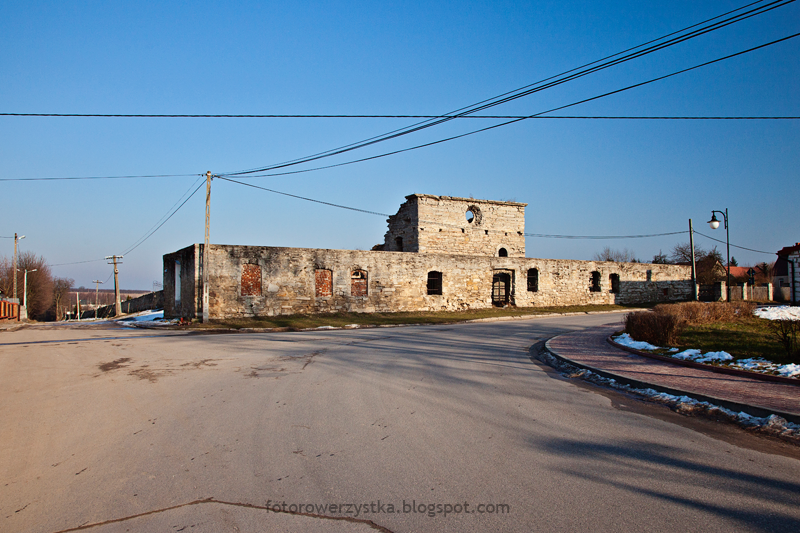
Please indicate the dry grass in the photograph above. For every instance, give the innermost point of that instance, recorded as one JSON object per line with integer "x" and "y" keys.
{"x": 665, "y": 323}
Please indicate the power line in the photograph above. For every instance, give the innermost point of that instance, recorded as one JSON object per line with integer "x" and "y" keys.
{"x": 101, "y": 177}
{"x": 422, "y": 221}
{"x": 544, "y": 236}
{"x": 535, "y": 87}
{"x": 142, "y": 240}
{"x": 432, "y": 143}
{"x": 167, "y": 215}
{"x": 734, "y": 245}
{"x": 494, "y": 117}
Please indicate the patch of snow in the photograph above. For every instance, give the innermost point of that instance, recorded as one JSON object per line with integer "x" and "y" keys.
{"x": 687, "y": 354}
{"x": 780, "y": 312}
{"x": 626, "y": 340}
{"x": 325, "y": 327}
{"x": 715, "y": 356}
{"x": 791, "y": 370}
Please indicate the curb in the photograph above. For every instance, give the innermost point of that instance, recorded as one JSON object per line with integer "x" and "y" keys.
{"x": 752, "y": 410}
{"x": 708, "y": 368}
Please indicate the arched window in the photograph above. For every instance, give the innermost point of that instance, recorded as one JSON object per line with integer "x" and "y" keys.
{"x": 434, "y": 282}
{"x": 533, "y": 280}
{"x": 502, "y": 252}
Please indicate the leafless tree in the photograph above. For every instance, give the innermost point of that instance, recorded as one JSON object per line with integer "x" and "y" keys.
{"x": 61, "y": 287}
{"x": 617, "y": 256}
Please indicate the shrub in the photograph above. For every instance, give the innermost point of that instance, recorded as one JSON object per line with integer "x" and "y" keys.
{"x": 657, "y": 328}
{"x": 786, "y": 332}
{"x": 695, "y": 313}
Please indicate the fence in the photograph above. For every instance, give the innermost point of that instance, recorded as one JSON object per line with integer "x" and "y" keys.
{"x": 153, "y": 300}
{"x": 9, "y": 311}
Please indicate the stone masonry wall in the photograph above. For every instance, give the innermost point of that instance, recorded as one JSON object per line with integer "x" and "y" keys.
{"x": 438, "y": 224}
{"x": 190, "y": 303}
{"x": 291, "y": 278}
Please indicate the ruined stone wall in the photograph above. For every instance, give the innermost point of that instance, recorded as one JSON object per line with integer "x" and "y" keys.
{"x": 190, "y": 303}
{"x": 439, "y": 224}
{"x": 301, "y": 280}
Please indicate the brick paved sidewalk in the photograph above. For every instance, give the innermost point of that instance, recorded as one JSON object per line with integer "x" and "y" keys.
{"x": 588, "y": 348}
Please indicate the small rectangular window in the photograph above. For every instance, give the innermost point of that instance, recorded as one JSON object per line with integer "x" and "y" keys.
{"x": 595, "y": 287}
{"x": 434, "y": 282}
{"x": 533, "y": 280}
{"x": 614, "y": 279}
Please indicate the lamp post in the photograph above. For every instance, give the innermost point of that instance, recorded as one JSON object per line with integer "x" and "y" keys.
{"x": 16, "y": 240}
{"x": 25, "y": 290}
{"x": 714, "y": 223}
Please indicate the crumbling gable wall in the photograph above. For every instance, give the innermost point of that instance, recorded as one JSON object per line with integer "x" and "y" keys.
{"x": 449, "y": 225}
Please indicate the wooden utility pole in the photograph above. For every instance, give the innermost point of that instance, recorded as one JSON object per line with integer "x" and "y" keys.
{"x": 118, "y": 306}
{"x": 204, "y": 262}
{"x": 97, "y": 283}
{"x": 694, "y": 267}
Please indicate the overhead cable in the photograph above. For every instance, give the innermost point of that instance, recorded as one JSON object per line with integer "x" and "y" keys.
{"x": 734, "y": 245}
{"x": 432, "y": 143}
{"x": 535, "y": 87}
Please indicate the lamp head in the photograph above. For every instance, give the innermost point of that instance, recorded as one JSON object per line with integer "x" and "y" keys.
{"x": 714, "y": 223}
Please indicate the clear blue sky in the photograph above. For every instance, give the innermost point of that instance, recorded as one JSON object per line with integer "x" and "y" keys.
{"x": 579, "y": 177}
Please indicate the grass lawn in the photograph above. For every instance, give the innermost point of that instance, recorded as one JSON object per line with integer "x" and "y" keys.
{"x": 294, "y": 322}
{"x": 742, "y": 339}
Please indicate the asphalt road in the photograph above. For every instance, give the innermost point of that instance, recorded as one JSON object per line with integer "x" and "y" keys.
{"x": 133, "y": 430}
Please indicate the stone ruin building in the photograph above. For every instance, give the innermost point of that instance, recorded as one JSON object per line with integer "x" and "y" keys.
{"x": 439, "y": 253}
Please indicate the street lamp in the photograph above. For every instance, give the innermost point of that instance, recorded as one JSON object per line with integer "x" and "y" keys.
{"x": 16, "y": 240}
{"x": 714, "y": 223}
{"x": 25, "y": 289}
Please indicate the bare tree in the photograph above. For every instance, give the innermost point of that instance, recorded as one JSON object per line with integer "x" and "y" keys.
{"x": 39, "y": 295}
{"x": 617, "y": 256}
{"x": 61, "y": 287}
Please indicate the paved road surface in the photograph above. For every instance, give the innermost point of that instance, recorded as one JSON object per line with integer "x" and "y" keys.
{"x": 119, "y": 430}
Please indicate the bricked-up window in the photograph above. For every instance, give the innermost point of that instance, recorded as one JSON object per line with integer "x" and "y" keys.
{"x": 595, "y": 287}
{"x": 614, "y": 279}
{"x": 251, "y": 280}
{"x": 434, "y": 282}
{"x": 533, "y": 280}
{"x": 502, "y": 252}
{"x": 324, "y": 282}
{"x": 358, "y": 283}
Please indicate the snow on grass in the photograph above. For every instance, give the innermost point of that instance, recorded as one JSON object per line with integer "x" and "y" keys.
{"x": 626, "y": 340}
{"x": 780, "y": 312}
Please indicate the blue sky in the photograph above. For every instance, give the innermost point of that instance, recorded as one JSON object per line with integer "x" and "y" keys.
{"x": 579, "y": 177}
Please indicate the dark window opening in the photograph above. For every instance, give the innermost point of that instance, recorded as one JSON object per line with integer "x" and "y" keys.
{"x": 501, "y": 289}
{"x": 470, "y": 216}
{"x": 595, "y": 282}
{"x": 251, "y": 280}
{"x": 533, "y": 280}
{"x": 358, "y": 283}
{"x": 614, "y": 279}
{"x": 324, "y": 282}
{"x": 398, "y": 242}
{"x": 486, "y": 231}
{"x": 502, "y": 252}
{"x": 434, "y": 282}
{"x": 649, "y": 275}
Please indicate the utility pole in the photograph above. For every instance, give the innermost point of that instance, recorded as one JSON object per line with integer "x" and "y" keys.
{"x": 25, "y": 290}
{"x": 205, "y": 248}
{"x": 118, "y": 306}
{"x": 97, "y": 283}
{"x": 16, "y": 240}
{"x": 78, "y": 304}
{"x": 694, "y": 267}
